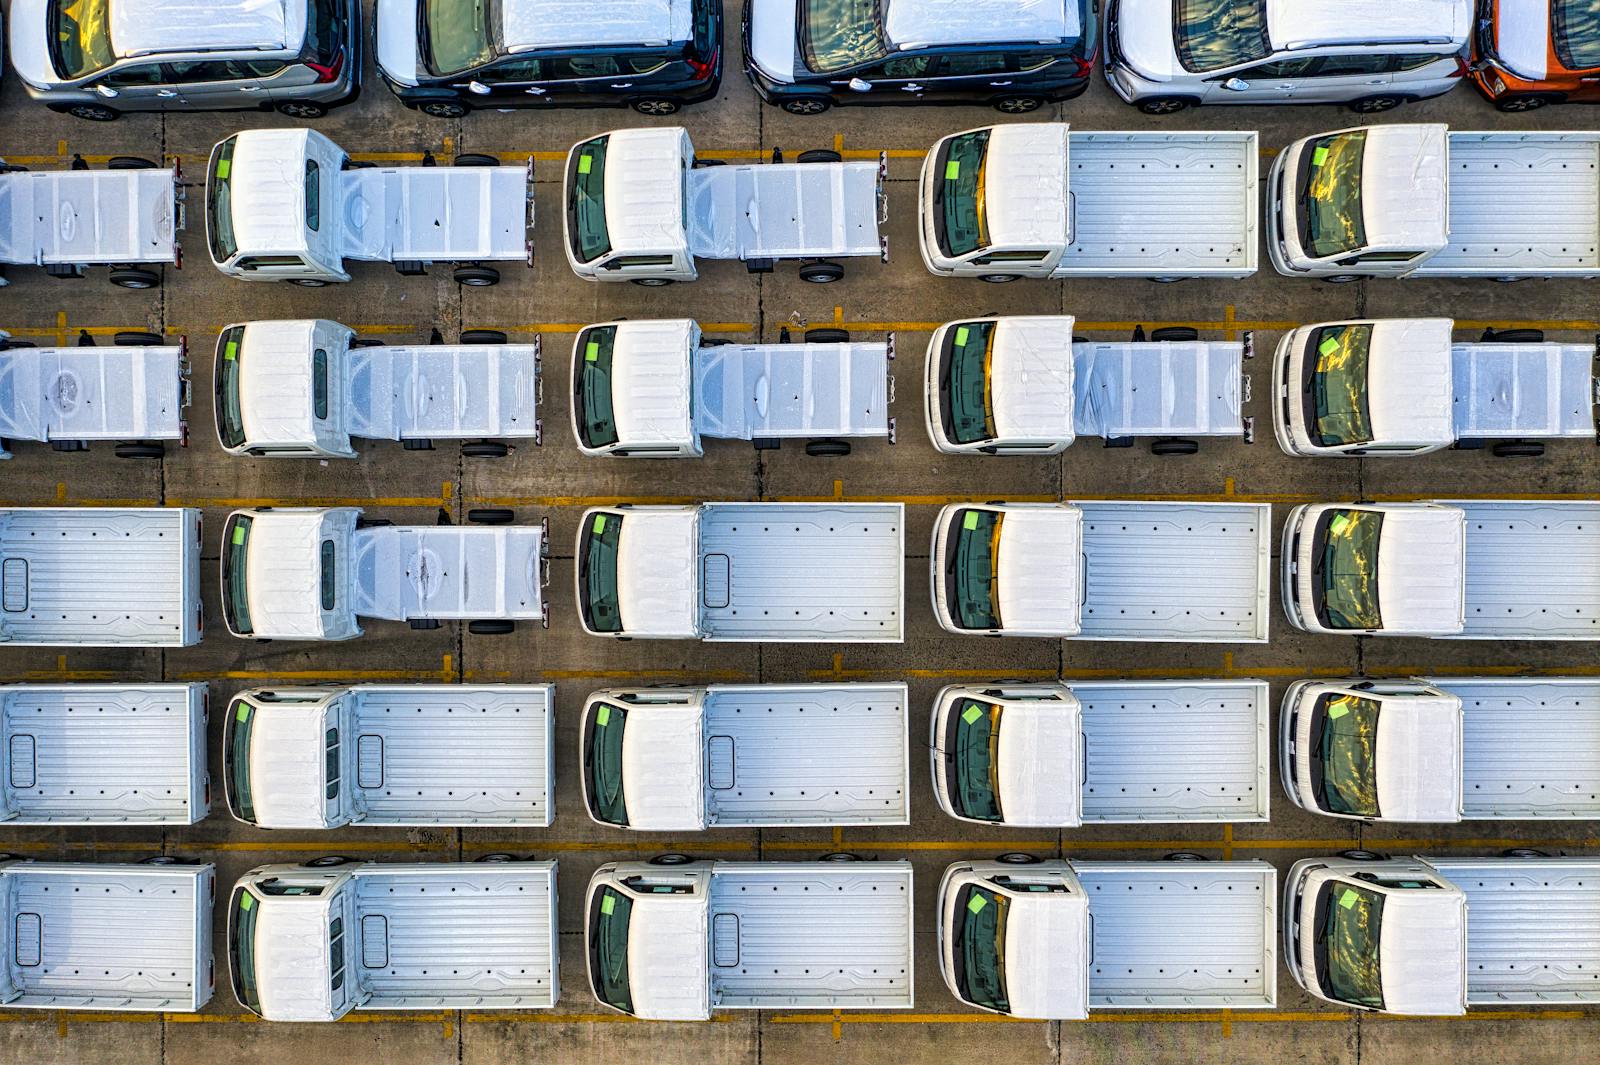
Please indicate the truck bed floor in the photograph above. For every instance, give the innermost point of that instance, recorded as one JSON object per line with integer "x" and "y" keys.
{"x": 1533, "y": 571}
{"x": 1531, "y": 748}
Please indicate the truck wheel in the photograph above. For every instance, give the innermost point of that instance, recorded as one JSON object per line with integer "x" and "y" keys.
{"x": 1017, "y": 105}
{"x": 159, "y": 859}
{"x": 1341, "y": 279}
{"x": 656, "y": 105}
{"x": 301, "y": 109}
{"x": 93, "y": 112}
{"x": 1524, "y": 852}
{"x": 485, "y": 449}
{"x": 1178, "y": 334}
{"x": 1359, "y": 855}
{"x": 327, "y": 861}
{"x": 443, "y": 108}
{"x": 1520, "y": 103}
{"x": 827, "y": 449}
{"x": 135, "y": 339}
{"x": 651, "y": 282}
{"x": 821, "y": 273}
{"x": 491, "y": 516}
{"x": 671, "y": 859}
{"x": 423, "y": 624}
{"x": 373, "y": 523}
{"x": 1185, "y": 856}
{"x": 840, "y": 856}
{"x": 701, "y": 164}
{"x": 819, "y": 155}
{"x": 827, "y": 336}
{"x": 308, "y": 282}
{"x": 131, "y": 277}
{"x": 498, "y": 858}
{"x": 1518, "y": 449}
{"x": 476, "y": 159}
{"x": 806, "y": 105}
{"x": 1018, "y": 858}
{"x": 129, "y": 162}
{"x": 997, "y": 279}
{"x": 1513, "y": 336}
{"x": 1174, "y": 445}
{"x": 482, "y": 336}
{"x": 420, "y": 443}
{"x": 477, "y": 276}
{"x": 1373, "y": 105}
{"x": 1163, "y": 105}
{"x": 491, "y": 627}
{"x": 140, "y": 451}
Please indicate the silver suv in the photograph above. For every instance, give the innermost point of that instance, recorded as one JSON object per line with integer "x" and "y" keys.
{"x": 97, "y": 59}
{"x": 1165, "y": 55}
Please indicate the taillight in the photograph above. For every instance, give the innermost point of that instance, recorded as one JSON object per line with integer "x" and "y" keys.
{"x": 702, "y": 68}
{"x": 1085, "y": 67}
{"x": 1461, "y": 67}
{"x": 327, "y": 72}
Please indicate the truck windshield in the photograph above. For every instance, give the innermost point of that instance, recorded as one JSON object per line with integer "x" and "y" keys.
{"x": 457, "y": 35}
{"x": 597, "y": 573}
{"x": 243, "y": 910}
{"x": 1344, "y": 582}
{"x": 1330, "y": 194}
{"x": 235, "y": 563}
{"x": 602, "y": 763}
{"x": 964, "y": 400}
{"x": 972, "y": 569}
{"x": 1575, "y": 31}
{"x": 1349, "y": 919}
{"x": 980, "y": 942}
{"x": 586, "y": 207}
{"x": 230, "y": 417}
{"x": 592, "y": 387}
{"x": 1335, "y": 387}
{"x": 958, "y": 209}
{"x": 972, "y": 759}
{"x": 839, "y": 34}
{"x": 608, "y": 948}
{"x": 1212, "y": 34}
{"x": 80, "y": 38}
{"x": 219, "y": 202}
{"x": 238, "y": 731}
{"x": 1344, "y": 764}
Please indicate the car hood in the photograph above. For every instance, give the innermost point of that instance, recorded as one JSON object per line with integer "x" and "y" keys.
{"x": 1144, "y": 38}
{"x": 395, "y": 31}
{"x": 772, "y": 31}
{"x": 1522, "y": 38}
{"x": 29, "y": 44}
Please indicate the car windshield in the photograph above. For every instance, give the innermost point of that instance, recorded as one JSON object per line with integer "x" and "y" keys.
{"x": 980, "y": 935}
{"x": 958, "y": 208}
{"x": 596, "y": 417}
{"x": 839, "y": 34}
{"x": 964, "y": 399}
{"x": 972, "y": 759}
{"x": 230, "y": 419}
{"x": 608, "y": 948}
{"x": 243, "y": 911}
{"x": 1344, "y": 742}
{"x": 1330, "y": 195}
{"x": 1575, "y": 30}
{"x": 457, "y": 35}
{"x": 1345, "y": 569}
{"x": 80, "y": 41}
{"x": 1213, "y": 34}
{"x": 238, "y": 732}
{"x": 219, "y": 203}
{"x": 1348, "y": 959}
{"x": 1335, "y": 387}
{"x": 973, "y": 569}
{"x": 597, "y": 573}
{"x": 235, "y": 563}
{"x": 586, "y": 207}
{"x": 602, "y": 763}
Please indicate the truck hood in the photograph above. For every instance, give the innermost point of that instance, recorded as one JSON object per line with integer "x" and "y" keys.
{"x": 1422, "y": 571}
{"x": 663, "y": 768}
{"x": 1047, "y": 957}
{"x": 1025, "y": 185}
{"x": 1418, "y": 759}
{"x": 1041, "y": 765}
{"x": 1031, "y": 378}
{"x": 1522, "y": 38}
{"x": 771, "y": 43}
{"x": 1405, "y": 200}
{"x": 286, "y": 766}
{"x": 292, "y": 960}
{"x": 1409, "y": 375}
{"x": 658, "y": 568}
{"x": 1422, "y": 949}
{"x": 669, "y": 958}
{"x": 30, "y": 43}
{"x": 651, "y": 368}
{"x": 1041, "y": 570}
{"x": 1144, "y": 38}
{"x": 395, "y": 34}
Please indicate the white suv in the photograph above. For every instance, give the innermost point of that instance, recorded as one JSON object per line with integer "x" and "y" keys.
{"x": 1165, "y": 55}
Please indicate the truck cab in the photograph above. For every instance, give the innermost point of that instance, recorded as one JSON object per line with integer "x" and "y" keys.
{"x": 639, "y": 572}
{"x": 284, "y": 754}
{"x": 290, "y": 576}
{"x": 1002, "y": 386}
{"x": 282, "y": 389}
{"x": 994, "y": 202}
{"x": 1012, "y": 569}
{"x": 627, "y": 209}
{"x": 647, "y": 940}
{"x": 273, "y": 212}
{"x": 292, "y": 943}
{"x": 1008, "y": 755}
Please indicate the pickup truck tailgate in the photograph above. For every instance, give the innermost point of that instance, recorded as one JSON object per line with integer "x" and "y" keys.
{"x": 1530, "y": 748}
{"x": 784, "y": 210}
{"x": 436, "y": 213}
{"x": 1533, "y": 570}
{"x": 746, "y": 391}
{"x": 1523, "y": 390}
{"x": 445, "y": 391}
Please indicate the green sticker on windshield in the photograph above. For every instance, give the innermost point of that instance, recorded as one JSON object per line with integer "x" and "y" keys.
{"x": 247, "y": 901}
{"x": 243, "y": 713}
{"x": 1319, "y": 156}
{"x": 586, "y": 163}
{"x": 1338, "y": 710}
{"x": 223, "y": 166}
{"x": 1349, "y": 899}
{"x": 591, "y": 351}
{"x": 1338, "y": 524}
{"x": 238, "y": 535}
{"x": 971, "y": 714}
{"x": 599, "y": 524}
{"x": 603, "y": 715}
{"x": 1328, "y": 346}
{"x": 970, "y": 521}
{"x": 952, "y": 170}
{"x": 231, "y": 352}
{"x": 977, "y": 902}
{"x": 961, "y": 336}
{"x": 607, "y": 904}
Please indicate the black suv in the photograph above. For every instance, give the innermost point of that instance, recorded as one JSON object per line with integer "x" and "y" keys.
{"x": 1016, "y": 55}
{"x": 447, "y": 57}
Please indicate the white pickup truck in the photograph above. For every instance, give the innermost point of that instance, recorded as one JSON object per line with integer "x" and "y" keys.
{"x": 1401, "y": 386}
{"x": 290, "y": 205}
{"x": 1489, "y": 569}
{"x": 1053, "y": 940}
{"x": 780, "y": 572}
{"x": 125, "y": 217}
{"x": 1024, "y": 385}
{"x": 1033, "y": 200}
{"x": 674, "y": 939}
{"x": 312, "y": 942}
{"x": 1176, "y": 572}
{"x": 102, "y": 936}
{"x": 390, "y": 754}
{"x": 640, "y": 207}
{"x": 134, "y": 392}
{"x": 747, "y": 756}
{"x": 103, "y": 754}
{"x": 1443, "y": 749}
{"x": 311, "y": 388}
{"x": 1102, "y": 752}
{"x": 1434, "y": 936}
{"x": 313, "y": 573}
{"x": 657, "y": 389}
{"x": 1419, "y": 201}
{"x": 100, "y": 577}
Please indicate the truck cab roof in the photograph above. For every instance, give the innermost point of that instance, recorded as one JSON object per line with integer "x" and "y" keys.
{"x": 1027, "y": 376}
{"x": 656, "y": 567}
{"x": 1408, "y": 391}
{"x": 276, "y": 381}
{"x": 265, "y": 180}
{"x": 643, "y": 190}
{"x": 1421, "y": 973}
{"x": 290, "y": 954}
{"x": 650, "y": 380}
{"x": 286, "y": 765}
{"x": 1422, "y": 569}
{"x": 1418, "y": 759}
{"x": 1405, "y": 187}
{"x": 663, "y": 767}
{"x": 1040, "y": 569}
{"x": 669, "y": 951}
{"x": 1025, "y": 185}
{"x": 1040, "y": 760}
{"x": 1298, "y": 24}
{"x": 282, "y": 580}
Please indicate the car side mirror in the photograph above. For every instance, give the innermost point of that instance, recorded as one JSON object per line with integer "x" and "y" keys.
{"x": 106, "y": 91}
{"x": 478, "y": 87}
{"x": 1236, "y": 85}
{"x": 860, "y": 85}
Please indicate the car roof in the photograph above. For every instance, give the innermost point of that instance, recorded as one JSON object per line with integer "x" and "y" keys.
{"x": 158, "y": 27}
{"x": 921, "y": 23}
{"x": 530, "y": 25}
{"x": 1298, "y": 24}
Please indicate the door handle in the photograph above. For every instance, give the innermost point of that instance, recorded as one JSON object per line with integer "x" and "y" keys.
{"x": 913, "y": 87}
{"x": 165, "y": 92}
{"x": 249, "y": 88}
{"x": 535, "y": 91}
{"x": 622, "y": 85}
{"x": 999, "y": 83}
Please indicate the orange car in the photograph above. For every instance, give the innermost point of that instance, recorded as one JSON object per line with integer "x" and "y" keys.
{"x": 1529, "y": 53}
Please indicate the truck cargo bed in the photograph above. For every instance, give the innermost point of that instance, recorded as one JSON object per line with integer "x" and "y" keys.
{"x": 1176, "y": 204}
{"x": 113, "y": 393}
{"x": 1521, "y": 204}
{"x": 1523, "y": 390}
{"x": 1533, "y": 928}
{"x": 1157, "y": 389}
{"x": 444, "y": 391}
{"x": 784, "y": 210}
{"x": 1531, "y": 748}
{"x": 808, "y": 754}
{"x": 436, "y": 214}
{"x": 790, "y": 391}
{"x": 1193, "y": 753}
{"x": 429, "y": 754}
{"x": 469, "y": 939}
{"x": 783, "y": 572}
{"x": 1187, "y": 572}
{"x": 812, "y": 936}
{"x": 1533, "y": 570}
{"x": 449, "y": 573}
{"x": 1174, "y": 935}
{"x": 88, "y": 216}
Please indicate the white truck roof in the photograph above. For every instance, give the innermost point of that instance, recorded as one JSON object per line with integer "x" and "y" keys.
{"x": 1407, "y": 362}
{"x": 266, "y": 179}
{"x": 669, "y": 955}
{"x": 152, "y": 27}
{"x": 94, "y": 393}
{"x": 1043, "y": 952}
{"x": 286, "y": 600}
{"x": 1421, "y": 971}
{"x": 644, "y": 206}
{"x": 657, "y": 560}
{"x": 1294, "y": 24}
{"x": 1040, "y": 760}
{"x": 275, "y": 384}
{"x": 287, "y": 764}
{"x": 651, "y": 372}
{"x": 1405, "y": 186}
{"x": 1031, "y": 373}
{"x": 289, "y": 978}
{"x": 1418, "y": 769}
{"x": 922, "y": 23}
{"x": 1040, "y": 569}
{"x": 529, "y": 25}
{"x": 85, "y": 217}
{"x": 1026, "y": 185}
{"x": 1420, "y": 569}
{"x": 663, "y": 762}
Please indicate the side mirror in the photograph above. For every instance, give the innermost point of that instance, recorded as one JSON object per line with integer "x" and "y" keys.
{"x": 860, "y": 85}
{"x": 106, "y": 91}
{"x": 478, "y": 87}
{"x": 1236, "y": 85}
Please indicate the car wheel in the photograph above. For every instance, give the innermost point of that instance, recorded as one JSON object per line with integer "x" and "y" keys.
{"x": 476, "y": 276}
{"x": 1163, "y": 105}
{"x": 1516, "y": 105}
{"x": 1373, "y": 105}
{"x": 94, "y": 112}
{"x": 1017, "y": 105}
{"x": 443, "y": 109}
{"x": 656, "y": 105}
{"x": 806, "y": 105}
{"x": 652, "y": 282}
{"x": 823, "y": 273}
{"x": 133, "y": 278}
{"x": 997, "y": 279}
{"x": 301, "y": 109}
{"x": 308, "y": 282}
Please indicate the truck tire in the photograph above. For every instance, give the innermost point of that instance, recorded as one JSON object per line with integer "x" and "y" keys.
{"x": 651, "y": 282}
{"x": 1174, "y": 445}
{"x": 1518, "y": 449}
{"x": 491, "y": 516}
{"x": 420, "y": 443}
{"x": 135, "y": 339}
{"x": 135, "y": 278}
{"x": 476, "y": 159}
{"x": 484, "y": 449}
{"x": 423, "y": 624}
{"x": 806, "y": 105}
{"x": 840, "y": 856}
{"x": 819, "y": 155}
{"x": 1524, "y": 852}
{"x": 821, "y": 273}
{"x": 701, "y": 164}
{"x": 139, "y": 450}
{"x": 1018, "y": 858}
{"x": 129, "y": 162}
{"x": 673, "y": 858}
{"x": 308, "y": 282}
{"x": 1513, "y": 336}
{"x": 1184, "y": 856}
{"x": 159, "y": 859}
{"x": 827, "y": 449}
{"x": 373, "y": 523}
{"x": 1163, "y": 105}
{"x": 1359, "y": 855}
{"x": 482, "y": 336}
{"x": 498, "y": 858}
{"x": 1178, "y": 334}
{"x": 997, "y": 279}
{"x": 365, "y": 342}
{"x": 477, "y": 276}
{"x": 491, "y": 627}
{"x": 827, "y": 336}
{"x": 8, "y": 343}
{"x": 327, "y": 861}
